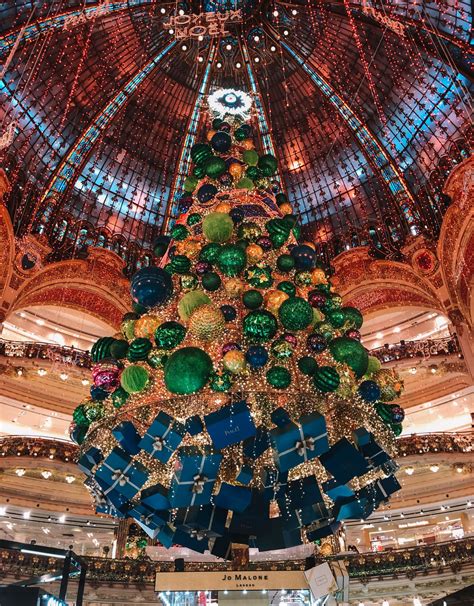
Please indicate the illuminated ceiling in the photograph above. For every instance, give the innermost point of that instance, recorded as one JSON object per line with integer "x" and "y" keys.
{"x": 366, "y": 103}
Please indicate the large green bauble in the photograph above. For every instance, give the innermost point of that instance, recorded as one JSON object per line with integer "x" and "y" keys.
{"x": 191, "y": 301}
{"x": 180, "y": 264}
{"x": 134, "y": 378}
{"x": 217, "y": 227}
{"x": 252, "y": 299}
{"x": 231, "y": 260}
{"x": 188, "y": 281}
{"x": 199, "y": 171}
{"x": 211, "y": 281}
{"x": 187, "y": 370}
{"x": 336, "y": 318}
{"x": 119, "y": 397}
{"x": 260, "y": 325}
{"x": 200, "y": 152}
{"x": 326, "y": 379}
{"x": 169, "y": 335}
{"x": 119, "y": 349}
{"x": 285, "y": 263}
{"x": 268, "y": 165}
{"x": 215, "y": 167}
{"x": 373, "y": 366}
{"x": 179, "y": 232}
{"x": 278, "y": 377}
{"x": 277, "y": 227}
{"x": 288, "y": 287}
{"x": 350, "y": 352}
{"x": 397, "y": 428}
{"x": 250, "y": 157}
{"x": 139, "y": 349}
{"x": 193, "y": 219}
{"x": 190, "y": 184}
{"x": 259, "y": 276}
{"x": 101, "y": 349}
{"x": 209, "y": 252}
{"x": 307, "y": 365}
{"x": 244, "y": 183}
{"x": 252, "y": 172}
{"x": 354, "y": 318}
{"x": 278, "y": 240}
{"x": 384, "y": 411}
{"x": 295, "y": 313}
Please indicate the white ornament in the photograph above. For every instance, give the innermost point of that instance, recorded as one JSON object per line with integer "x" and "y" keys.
{"x": 230, "y": 101}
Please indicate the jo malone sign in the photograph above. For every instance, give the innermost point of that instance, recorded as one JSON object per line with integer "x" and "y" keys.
{"x": 232, "y": 580}
{"x": 202, "y": 24}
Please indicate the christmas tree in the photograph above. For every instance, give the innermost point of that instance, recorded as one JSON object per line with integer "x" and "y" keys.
{"x": 237, "y": 403}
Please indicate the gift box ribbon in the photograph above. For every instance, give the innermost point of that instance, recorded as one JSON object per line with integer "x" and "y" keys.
{"x": 303, "y": 444}
{"x": 159, "y": 441}
{"x": 198, "y": 482}
{"x": 120, "y": 477}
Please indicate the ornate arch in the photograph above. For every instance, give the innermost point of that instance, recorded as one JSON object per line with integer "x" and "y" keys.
{"x": 7, "y": 242}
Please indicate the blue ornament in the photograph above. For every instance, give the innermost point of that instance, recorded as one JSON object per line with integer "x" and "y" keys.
{"x": 256, "y": 356}
{"x": 221, "y": 142}
{"x": 185, "y": 204}
{"x": 369, "y": 391}
{"x": 237, "y": 215}
{"x": 228, "y": 312}
{"x": 206, "y": 192}
{"x": 304, "y": 256}
{"x": 398, "y": 414}
{"x": 98, "y": 393}
{"x": 151, "y": 286}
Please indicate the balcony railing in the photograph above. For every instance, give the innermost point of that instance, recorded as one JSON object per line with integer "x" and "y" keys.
{"x": 422, "y": 348}
{"x": 62, "y": 355}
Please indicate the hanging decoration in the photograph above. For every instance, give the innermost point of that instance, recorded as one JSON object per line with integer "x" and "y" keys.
{"x": 220, "y": 420}
{"x": 202, "y": 24}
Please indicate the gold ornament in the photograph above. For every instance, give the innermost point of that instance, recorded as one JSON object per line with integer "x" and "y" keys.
{"x": 127, "y": 328}
{"x": 223, "y": 207}
{"x": 234, "y": 361}
{"x": 273, "y": 299}
{"x": 210, "y": 134}
{"x": 318, "y": 276}
{"x": 310, "y": 244}
{"x": 206, "y": 323}
{"x": 390, "y": 383}
{"x": 189, "y": 247}
{"x": 145, "y": 326}
{"x": 254, "y": 253}
{"x": 234, "y": 287}
{"x": 247, "y": 144}
{"x": 325, "y": 549}
{"x": 236, "y": 170}
{"x": 286, "y": 208}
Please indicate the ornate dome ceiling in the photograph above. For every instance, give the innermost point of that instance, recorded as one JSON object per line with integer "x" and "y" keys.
{"x": 366, "y": 105}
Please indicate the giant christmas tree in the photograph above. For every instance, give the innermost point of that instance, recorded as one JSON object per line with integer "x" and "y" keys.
{"x": 237, "y": 404}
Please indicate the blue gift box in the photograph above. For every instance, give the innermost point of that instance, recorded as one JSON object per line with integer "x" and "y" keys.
{"x": 274, "y": 483}
{"x": 244, "y": 475}
{"x": 276, "y": 535}
{"x": 334, "y": 490}
{"x": 163, "y": 437}
{"x": 85, "y": 465}
{"x": 235, "y": 498}
{"x": 113, "y": 504}
{"x": 256, "y": 445}
{"x": 380, "y": 490}
{"x": 121, "y": 474}
{"x": 280, "y": 417}
{"x": 197, "y": 541}
{"x": 128, "y": 437}
{"x": 296, "y": 443}
{"x": 361, "y": 437}
{"x": 324, "y": 531}
{"x": 344, "y": 461}
{"x": 194, "y": 425}
{"x": 249, "y": 521}
{"x": 208, "y": 520}
{"x": 222, "y": 548}
{"x": 193, "y": 482}
{"x": 352, "y": 508}
{"x": 311, "y": 514}
{"x": 230, "y": 425}
{"x": 151, "y": 519}
{"x": 94, "y": 455}
{"x": 165, "y": 535}
{"x": 156, "y": 497}
{"x": 303, "y": 492}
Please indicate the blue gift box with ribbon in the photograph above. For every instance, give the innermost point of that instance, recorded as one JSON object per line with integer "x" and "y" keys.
{"x": 163, "y": 437}
{"x": 256, "y": 445}
{"x": 235, "y": 498}
{"x": 128, "y": 437}
{"x": 380, "y": 490}
{"x": 344, "y": 461}
{"x": 299, "y": 442}
{"x": 85, "y": 465}
{"x": 274, "y": 483}
{"x": 301, "y": 493}
{"x": 207, "y": 521}
{"x": 193, "y": 481}
{"x": 280, "y": 417}
{"x": 149, "y": 518}
{"x": 368, "y": 446}
{"x": 194, "y": 425}
{"x": 89, "y": 459}
{"x": 165, "y": 535}
{"x": 197, "y": 541}
{"x": 230, "y": 424}
{"x": 334, "y": 490}
{"x": 121, "y": 474}
{"x": 156, "y": 497}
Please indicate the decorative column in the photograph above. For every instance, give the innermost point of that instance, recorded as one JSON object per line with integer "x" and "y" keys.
{"x": 121, "y": 535}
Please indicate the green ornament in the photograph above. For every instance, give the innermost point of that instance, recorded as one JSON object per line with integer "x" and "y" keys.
{"x": 240, "y": 134}
{"x": 295, "y": 313}
{"x": 268, "y": 165}
{"x": 215, "y": 167}
{"x": 231, "y": 260}
{"x": 285, "y": 263}
{"x": 139, "y": 349}
{"x": 259, "y": 276}
{"x": 220, "y": 381}
{"x": 119, "y": 349}
{"x": 94, "y": 411}
{"x": 190, "y": 184}
{"x": 217, "y": 227}
{"x": 307, "y": 365}
{"x": 179, "y": 232}
{"x": 157, "y": 358}
{"x": 180, "y": 264}
{"x": 199, "y": 171}
{"x": 211, "y": 281}
{"x": 326, "y": 379}
{"x": 101, "y": 348}
{"x": 139, "y": 309}
{"x": 79, "y": 415}
{"x": 127, "y": 328}
{"x": 384, "y": 411}
{"x": 169, "y": 335}
{"x": 189, "y": 281}
{"x": 200, "y": 152}
{"x": 277, "y": 227}
{"x": 187, "y": 370}
{"x": 191, "y": 301}
{"x": 354, "y": 318}
{"x": 216, "y": 123}
{"x": 373, "y": 365}
{"x": 244, "y": 183}
{"x": 210, "y": 252}
{"x": 193, "y": 219}
{"x": 134, "y": 378}
{"x": 278, "y": 377}
{"x": 324, "y": 329}
{"x": 252, "y": 299}
{"x": 252, "y": 172}
{"x": 336, "y": 318}
{"x": 260, "y": 325}
{"x": 350, "y": 352}
{"x": 281, "y": 349}
{"x": 287, "y": 287}
{"x": 119, "y": 397}
{"x": 249, "y": 231}
{"x": 303, "y": 278}
{"x": 397, "y": 428}
{"x": 297, "y": 231}
{"x": 278, "y": 240}
{"x": 250, "y": 157}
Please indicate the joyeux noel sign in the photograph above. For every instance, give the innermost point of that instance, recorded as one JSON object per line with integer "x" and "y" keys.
{"x": 202, "y": 24}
